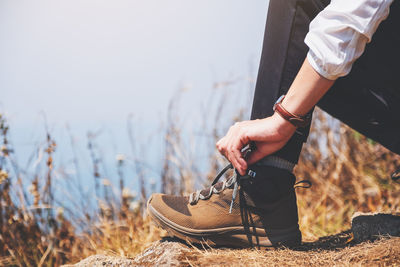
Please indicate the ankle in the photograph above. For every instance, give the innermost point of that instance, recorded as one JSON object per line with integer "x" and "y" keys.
{"x": 270, "y": 183}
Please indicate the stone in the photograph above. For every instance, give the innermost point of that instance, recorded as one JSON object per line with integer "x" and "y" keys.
{"x": 370, "y": 226}
{"x": 167, "y": 252}
{"x": 104, "y": 261}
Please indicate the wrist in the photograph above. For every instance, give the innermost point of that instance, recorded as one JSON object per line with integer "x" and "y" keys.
{"x": 296, "y": 120}
{"x": 284, "y": 127}
{"x": 294, "y": 105}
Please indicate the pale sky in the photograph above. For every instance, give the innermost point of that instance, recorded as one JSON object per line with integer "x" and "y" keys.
{"x": 98, "y": 61}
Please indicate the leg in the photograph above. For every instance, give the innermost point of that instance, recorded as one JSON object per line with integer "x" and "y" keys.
{"x": 368, "y": 98}
{"x": 265, "y": 211}
{"x": 283, "y": 53}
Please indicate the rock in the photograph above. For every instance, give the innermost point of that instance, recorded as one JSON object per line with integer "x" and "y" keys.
{"x": 168, "y": 252}
{"x": 103, "y": 260}
{"x": 370, "y": 226}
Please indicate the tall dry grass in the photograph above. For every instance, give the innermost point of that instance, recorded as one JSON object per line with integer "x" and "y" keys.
{"x": 36, "y": 229}
{"x": 349, "y": 173}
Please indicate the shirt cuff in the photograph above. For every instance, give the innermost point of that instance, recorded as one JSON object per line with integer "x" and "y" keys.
{"x": 313, "y": 60}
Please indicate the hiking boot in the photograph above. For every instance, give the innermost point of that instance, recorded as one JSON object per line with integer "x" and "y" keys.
{"x": 255, "y": 210}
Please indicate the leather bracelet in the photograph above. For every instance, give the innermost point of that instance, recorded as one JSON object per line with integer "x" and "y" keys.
{"x": 298, "y": 121}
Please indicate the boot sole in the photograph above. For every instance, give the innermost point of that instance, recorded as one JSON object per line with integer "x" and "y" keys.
{"x": 235, "y": 236}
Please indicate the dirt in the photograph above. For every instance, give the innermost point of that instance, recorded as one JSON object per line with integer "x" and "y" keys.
{"x": 374, "y": 240}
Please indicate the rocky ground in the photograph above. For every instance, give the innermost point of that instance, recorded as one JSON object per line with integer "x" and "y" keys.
{"x": 373, "y": 240}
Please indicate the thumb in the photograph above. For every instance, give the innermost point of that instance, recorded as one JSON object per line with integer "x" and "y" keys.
{"x": 254, "y": 157}
{"x": 264, "y": 149}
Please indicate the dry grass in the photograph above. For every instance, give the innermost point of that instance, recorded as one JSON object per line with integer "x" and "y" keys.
{"x": 349, "y": 173}
{"x": 384, "y": 252}
{"x": 37, "y": 230}
{"x": 335, "y": 250}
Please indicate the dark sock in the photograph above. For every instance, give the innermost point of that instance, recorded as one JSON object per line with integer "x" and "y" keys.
{"x": 270, "y": 183}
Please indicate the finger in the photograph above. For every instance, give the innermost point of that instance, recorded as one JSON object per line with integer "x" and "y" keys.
{"x": 231, "y": 147}
{"x": 220, "y": 145}
{"x": 243, "y": 168}
{"x": 236, "y": 158}
{"x": 223, "y": 144}
{"x": 239, "y": 164}
{"x": 264, "y": 149}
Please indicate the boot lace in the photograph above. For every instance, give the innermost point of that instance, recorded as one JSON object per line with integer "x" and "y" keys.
{"x": 234, "y": 181}
{"x": 396, "y": 175}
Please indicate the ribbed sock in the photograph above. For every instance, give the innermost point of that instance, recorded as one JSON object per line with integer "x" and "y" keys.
{"x": 278, "y": 162}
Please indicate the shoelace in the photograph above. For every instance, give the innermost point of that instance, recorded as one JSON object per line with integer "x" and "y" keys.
{"x": 234, "y": 180}
{"x": 396, "y": 175}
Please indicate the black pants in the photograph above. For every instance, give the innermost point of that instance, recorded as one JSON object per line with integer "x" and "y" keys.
{"x": 368, "y": 99}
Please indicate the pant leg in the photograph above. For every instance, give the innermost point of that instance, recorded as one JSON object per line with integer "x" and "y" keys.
{"x": 283, "y": 53}
{"x": 368, "y": 99}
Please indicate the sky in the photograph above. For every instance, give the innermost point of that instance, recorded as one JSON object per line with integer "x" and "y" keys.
{"x": 90, "y": 64}
{"x": 97, "y": 61}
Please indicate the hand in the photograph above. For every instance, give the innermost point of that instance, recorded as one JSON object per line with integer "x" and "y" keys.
{"x": 272, "y": 133}
{"x": 269, "y": 134}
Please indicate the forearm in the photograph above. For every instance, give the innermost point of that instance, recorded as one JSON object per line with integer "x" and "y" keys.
{"x": 272, "y": 133}
{"x": 306, "y": 90}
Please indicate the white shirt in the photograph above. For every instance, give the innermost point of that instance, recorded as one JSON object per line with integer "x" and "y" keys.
{"x": 339, "y": 33}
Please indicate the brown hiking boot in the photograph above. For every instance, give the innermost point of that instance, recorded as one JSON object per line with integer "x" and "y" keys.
{"x": 263, "y": 214}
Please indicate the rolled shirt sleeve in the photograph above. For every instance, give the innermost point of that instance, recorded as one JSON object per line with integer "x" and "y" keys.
{"x": 339, "y": 33}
